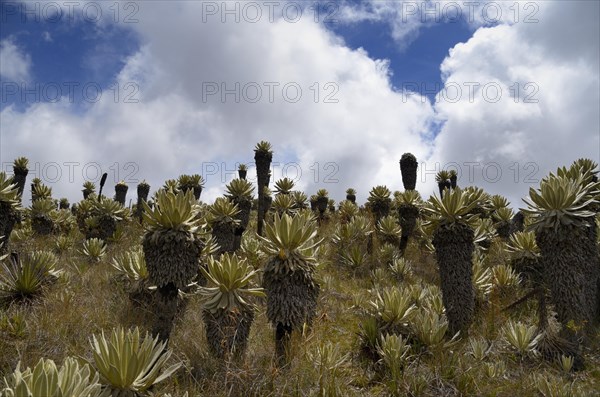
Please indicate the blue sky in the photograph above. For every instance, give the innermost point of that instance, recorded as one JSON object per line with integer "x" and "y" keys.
{"x": 63, "y": 50}
{"x": 170, "y": 52}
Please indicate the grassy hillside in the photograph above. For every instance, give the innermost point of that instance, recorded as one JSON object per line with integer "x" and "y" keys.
{"x": 341, "y": 353}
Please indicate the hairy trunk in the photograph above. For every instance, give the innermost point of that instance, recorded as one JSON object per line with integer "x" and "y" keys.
{"x": 454, "y": 249}
{"x": 408, "y": 169}
{"x": 121, "y": 194}
{"x": 165, "y": 308}
{"x": 227, "y": 332}
{"x": 408, "y": 215}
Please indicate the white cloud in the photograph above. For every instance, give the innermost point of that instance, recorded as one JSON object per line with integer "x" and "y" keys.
{"x": 523, "y": 140}
{"x": 174, "y": 129}
{"x": 14, "y": 64}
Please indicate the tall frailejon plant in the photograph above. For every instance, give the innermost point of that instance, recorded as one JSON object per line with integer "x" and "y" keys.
{"x": 562, "y": 212}
{"x": 263, "y": 155}
{"x": 240, "y": 192}
{"x": 443, "y": 181}
{"x": 228, "y": 310}
{"x": 379, "y": 202}
{"x": 408, "y": 168}
{"x": 39, "y": 191}
{"x": 9, "y": 209}
{"x": 172, "y": 249}
{"x": 102, "y": 217}
{"x": 88, "y": 188}
{"x": 121, "y": 192}
{"x": 351, "y": 195}
{"x": 453, "y": 238}
{"x": 289, "y": 275}
{"x": 525, "y": 259}
{"x": 453, "y": 177}
{"x": 223, "y": 218}
{"x": 408, "y": 204}
{"x": 322, "y": 201}
{"x": 42, "y": 212}
{"x": 242, "y": 171}
{"x": 20, "y": 171}
{"x": 143, "y": 189}
{"x": 195, "y": 183}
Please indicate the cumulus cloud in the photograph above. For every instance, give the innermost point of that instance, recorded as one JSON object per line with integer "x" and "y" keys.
{"x": 536, "y": 104}
{"x": 173, "y": 115}
{"x": 15, "y": 65}
{"x": 347, "y": 128}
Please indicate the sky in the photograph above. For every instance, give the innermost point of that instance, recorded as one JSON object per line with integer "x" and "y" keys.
{"x": 502, "y": 91}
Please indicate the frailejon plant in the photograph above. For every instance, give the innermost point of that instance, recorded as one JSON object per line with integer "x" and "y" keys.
{"x": 562, "y": 212}
{"x": 133, "y": 271}
{"x": 20, "y": 171}
{"x": 453, "y": 177}
{"x": 322, "y": 201}
{"x": 379, "y": 202}
{"x": 223, "y": 219}
{"x": 283, "y": 204}
{"x": 228, "y": 309}
{"x": 101, "y": 217}
{"x": 300, "y": 200}
{"x": 9, "y": 209}
{"x": 39, "y": 191}
{"x": 48, "y": 380}
{"x": 88, "y": 188}
{"x": 389, "y": 231}
{"x": 351, "y": 195}
{"x": 240, "y": 192}
{"x": 63, "y": 204}
{"x": 394, "y": 350}
{"x": 129, "y": 364}
{"x": 409, "y": 208}
{"x": 328, "y": 361}
{"x": 25, "y": 278}
{"x": 172, "y": 248}
{"x": 94, "y": 249}
{"x": 502, "y": 218}
{"x": 288, "y": 278}
{"x": 408, "y": 168}
{"x": 453, "y": 239}
{"x": 143, "y": 189}
{"x": 42, "y": 212}
{"x": 347, "y": 210}
{"x": 484, "y": 233}
{"x": 443, "y": 180}
{"x": 193, "y": 183}
{"x": 393, "y": 308}
{"x": 284, "y": 186}
{"x": 242, "y": 171}
{"x": 263, "y": 155}
{"x": 121, "y": 192}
